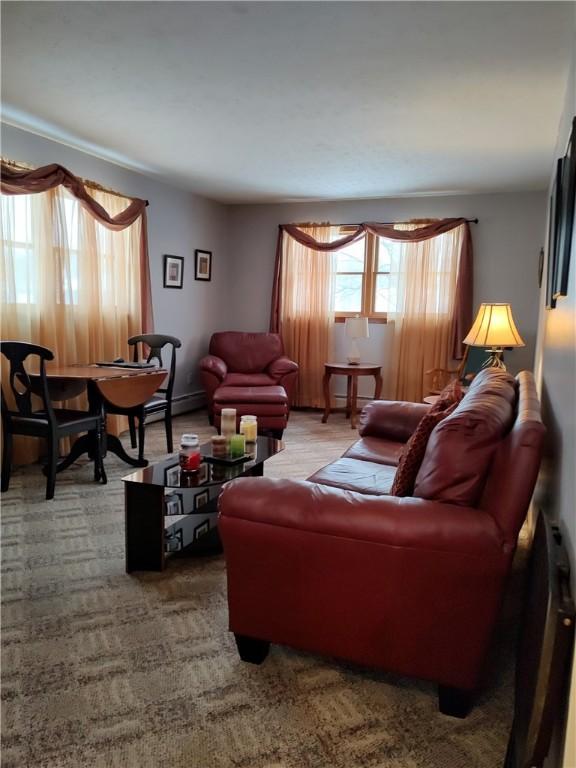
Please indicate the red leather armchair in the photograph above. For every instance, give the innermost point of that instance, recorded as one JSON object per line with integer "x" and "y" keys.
{"x": 413, "y": 585}
{"x": 249, "y": 372}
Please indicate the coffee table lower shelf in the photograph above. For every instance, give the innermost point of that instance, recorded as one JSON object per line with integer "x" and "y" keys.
{"x": 171, "y": 516}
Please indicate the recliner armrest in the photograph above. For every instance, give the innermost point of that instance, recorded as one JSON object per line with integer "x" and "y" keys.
{"x": 391, "y": 419}
{"x": 214, "y": 365}
{"x": 407, "y": 522}
{"x": 281, "y": 367}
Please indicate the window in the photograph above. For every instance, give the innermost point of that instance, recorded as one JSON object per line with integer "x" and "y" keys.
{"x": 362, "y": 281}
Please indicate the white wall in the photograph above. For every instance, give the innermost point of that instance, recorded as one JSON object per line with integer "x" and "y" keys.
{"x": 556, "y": 366}
{"x": 507, "y": 243}
{"x": 178, "y": 222}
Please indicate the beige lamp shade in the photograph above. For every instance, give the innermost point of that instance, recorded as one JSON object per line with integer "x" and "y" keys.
{"x": 357, "y": 327}
{"x": 494, "y": 327}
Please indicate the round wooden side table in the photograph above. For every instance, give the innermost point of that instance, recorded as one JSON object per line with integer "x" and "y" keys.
{"x": 352, "y": 372}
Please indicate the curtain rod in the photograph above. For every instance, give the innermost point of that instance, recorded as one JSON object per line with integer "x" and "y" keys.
{"x": 383, "y": 223}
{"x": 21, "y": 166}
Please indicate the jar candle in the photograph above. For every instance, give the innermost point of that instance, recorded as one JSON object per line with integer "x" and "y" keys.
{"x": 219, "y": 447}
{"x": 249, "y": 428}
{"x": 189, "y": 455}
{"x": 237, "y": 446}
{"x": 228, "y": 422}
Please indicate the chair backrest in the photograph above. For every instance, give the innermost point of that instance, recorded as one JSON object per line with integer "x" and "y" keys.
{"x": 21, "y": 386}
{"x": 246, "y": 352}
{"x": 155, "y": 343}
{"x": 472, "y": 362}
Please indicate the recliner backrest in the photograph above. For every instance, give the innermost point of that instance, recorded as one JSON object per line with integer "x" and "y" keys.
{"x": 246, "y": 352}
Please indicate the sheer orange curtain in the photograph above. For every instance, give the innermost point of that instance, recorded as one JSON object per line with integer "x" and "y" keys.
{"x": 306, "y": 315}
{"x": 424, "y": 279}
{"x": 68, "y": 283}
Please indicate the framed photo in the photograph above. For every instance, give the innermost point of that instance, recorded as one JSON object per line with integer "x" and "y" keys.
{"x": 540, "y": 267}
{"x": 172, "y": 476}
{"x": 567, "y": 202}
{"x": 173, "y": 271}
{"x": 201, "y": 530}
{"x": 553, "y": 238}
{"x": 174, "y": 505}
{"x": 203, "y": 265}
{"x": 200, "y": 500}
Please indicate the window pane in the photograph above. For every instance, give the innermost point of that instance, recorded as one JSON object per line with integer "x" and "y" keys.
{"x": 385, "y": 251}
{"x": 25, "y": 282}
{"x": 348, "y": 293}
{"x": 351, "y": 258}
{"x": 383, "y": 299}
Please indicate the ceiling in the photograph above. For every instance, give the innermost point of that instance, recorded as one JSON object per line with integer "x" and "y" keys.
{"x": 267, "y": 101}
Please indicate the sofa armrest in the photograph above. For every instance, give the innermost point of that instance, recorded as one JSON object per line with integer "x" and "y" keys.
{"x": 406, "y": 522}
{"x": 215, "y": 366}
{"x": 281, "y": 367}
{"x": 285, "y": 372}
{"x": 391, "y": 419}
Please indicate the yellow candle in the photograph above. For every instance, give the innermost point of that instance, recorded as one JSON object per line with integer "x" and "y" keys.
{"x": 249, "y": 428}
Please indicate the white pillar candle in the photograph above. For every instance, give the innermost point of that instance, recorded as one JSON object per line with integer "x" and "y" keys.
{"x": 228, "y": 422}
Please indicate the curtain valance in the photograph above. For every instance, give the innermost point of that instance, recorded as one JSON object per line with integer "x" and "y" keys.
{"x": 30, "y": 182}
{"x": 462, "y": 318}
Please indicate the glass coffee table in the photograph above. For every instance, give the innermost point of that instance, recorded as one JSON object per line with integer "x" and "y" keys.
{"x": 169, "y": 512}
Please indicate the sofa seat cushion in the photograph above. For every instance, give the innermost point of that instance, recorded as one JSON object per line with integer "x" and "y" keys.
{"x": 355, "y": 475}
{"x": 264, "y": 395}
{"x": 248, "y": 380}
{"x": 375, "y": 449}
{"x": 461, "y": 447}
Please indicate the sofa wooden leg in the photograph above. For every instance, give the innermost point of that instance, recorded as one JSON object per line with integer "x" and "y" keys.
{"x": 251, "y": 649}
{"x": 454, "y": 702}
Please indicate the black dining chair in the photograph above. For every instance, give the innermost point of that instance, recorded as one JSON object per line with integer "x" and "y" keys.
{"x": 48, "y": 422}
{"x": 162, "y": 400}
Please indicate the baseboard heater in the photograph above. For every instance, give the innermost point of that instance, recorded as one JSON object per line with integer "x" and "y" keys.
{"x": 545, "y": 649}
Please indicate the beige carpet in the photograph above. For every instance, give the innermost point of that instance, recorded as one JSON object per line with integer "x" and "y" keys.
{"x": 108, "y": 670}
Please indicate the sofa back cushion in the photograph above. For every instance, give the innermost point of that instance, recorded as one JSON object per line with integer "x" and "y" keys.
{"x": 415, "y": 448}
{"x": 461, "y": 447}
{"x": 516, "y": 463}
{"x": 246, "y": 352}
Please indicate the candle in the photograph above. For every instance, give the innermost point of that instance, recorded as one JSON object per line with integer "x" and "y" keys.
{"x": 219, "y": 447}
{"x": 237, "y": 446}
{"x": 228, "y": 422}
{"x": 249, "y": 428}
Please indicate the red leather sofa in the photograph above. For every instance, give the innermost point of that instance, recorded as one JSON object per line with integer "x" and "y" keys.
{"x": 251, "y": 373}
{"x": 413, "y": 585}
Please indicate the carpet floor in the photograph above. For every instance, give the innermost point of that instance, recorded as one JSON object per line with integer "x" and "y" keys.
{"x": 107, "y": 670}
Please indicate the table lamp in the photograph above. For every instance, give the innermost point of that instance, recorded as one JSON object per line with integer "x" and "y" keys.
{"x": 494, "y": 327}
{"x": 356, "y": 328}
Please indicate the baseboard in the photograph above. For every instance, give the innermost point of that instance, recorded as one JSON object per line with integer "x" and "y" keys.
{"x": 182, "y": 404}
{"x": 359, "y": 399}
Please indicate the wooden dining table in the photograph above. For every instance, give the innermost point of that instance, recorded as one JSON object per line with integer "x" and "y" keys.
{"x": 106, "y": 385}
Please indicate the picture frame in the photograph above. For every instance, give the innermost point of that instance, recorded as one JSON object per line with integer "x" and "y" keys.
{"x": 172, "y": 476}
{"x": 202, "y": 265}
{"x": 173, "y": 271}
{"x": 200, "y": 500}
{"x": 174, "y": 504}
{"x": 566, "y": 213}
{"x": 201, "y": 530}
{"x": 540, "y": 266}
{"x": 553, "y": 237}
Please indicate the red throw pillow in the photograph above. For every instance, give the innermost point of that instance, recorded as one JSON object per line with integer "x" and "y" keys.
{"x": 414, "y": 450}
{"x": 452, "y": 393}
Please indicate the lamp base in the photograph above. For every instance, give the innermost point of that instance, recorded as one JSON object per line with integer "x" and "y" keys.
{"x": 353, "y": 360}
{"x": 495, "y": 359}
